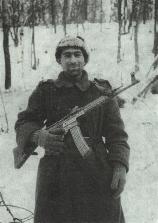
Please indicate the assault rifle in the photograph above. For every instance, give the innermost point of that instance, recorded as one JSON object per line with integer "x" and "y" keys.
{"x": 70, "y": 123}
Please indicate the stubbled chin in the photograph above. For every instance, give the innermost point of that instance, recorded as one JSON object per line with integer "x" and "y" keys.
{"x": 75, "y": 72}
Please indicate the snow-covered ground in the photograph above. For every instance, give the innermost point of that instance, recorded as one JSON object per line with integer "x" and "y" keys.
{"x": 140, "y": 198}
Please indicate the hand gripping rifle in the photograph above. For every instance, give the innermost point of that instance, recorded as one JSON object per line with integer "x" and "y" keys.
{"x": 70, "y": 123}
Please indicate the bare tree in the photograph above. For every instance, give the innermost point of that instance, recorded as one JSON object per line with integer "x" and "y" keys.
{"x": 78, "y": 5}
{"x": 155, "y": 47}
{"x": 6, "y": 28}
{"x": 33, "y": 49}
{"x": 144, "y": 10}
{"x": 131, "y": 17}
{"x": 53, "y": 13}
{"x": 5, "y": 112}
{"x": 85, "y": 9}
{"x": 84, "y": 12}
{"x": 124, "y": 16}
{"x": 136, "y": 13}
{"x": 79, "y": 14}
{"x": 101, "y": 15}
{"x": 92, "y": 10}
{"x": 65, "y": 15}
{"x": 15, "y": 12}
{"x": 119, "y": 31}
{"x": 95, "y": 10}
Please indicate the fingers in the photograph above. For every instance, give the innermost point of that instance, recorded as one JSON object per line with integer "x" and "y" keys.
{"x": 54, "y": 141}
{"x": 120, "y": 189}
{"x": 118, "y": 182}
{"x": 54, "y": 147}
{"x": 53, "y": 138}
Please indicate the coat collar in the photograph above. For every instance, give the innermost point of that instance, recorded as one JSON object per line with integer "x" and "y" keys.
{"x": 83, "y": 84}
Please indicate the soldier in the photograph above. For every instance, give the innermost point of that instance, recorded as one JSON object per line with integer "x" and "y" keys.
{"x": 69, "y": 189}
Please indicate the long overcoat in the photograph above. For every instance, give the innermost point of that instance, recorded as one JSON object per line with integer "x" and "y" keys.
{"x": 70, "y": 189}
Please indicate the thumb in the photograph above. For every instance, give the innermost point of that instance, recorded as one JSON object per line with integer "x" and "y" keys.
{"x": 120, "y": 189}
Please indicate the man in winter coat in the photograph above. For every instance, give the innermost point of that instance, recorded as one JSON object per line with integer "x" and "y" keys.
{"x": 70, "y": 189}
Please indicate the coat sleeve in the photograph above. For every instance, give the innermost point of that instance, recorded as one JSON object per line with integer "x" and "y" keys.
{"x": 30, "y": 119}
{"x": 115, "y": 134}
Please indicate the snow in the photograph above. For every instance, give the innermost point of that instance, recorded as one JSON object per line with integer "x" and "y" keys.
{"x": 140, "y": 198}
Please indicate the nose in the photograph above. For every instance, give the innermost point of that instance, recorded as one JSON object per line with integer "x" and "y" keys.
{"x": 73, "y": 59}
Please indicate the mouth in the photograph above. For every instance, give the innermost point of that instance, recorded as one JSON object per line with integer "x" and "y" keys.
{"x": 74, "y": 68}
{"x": 74, "y": 71}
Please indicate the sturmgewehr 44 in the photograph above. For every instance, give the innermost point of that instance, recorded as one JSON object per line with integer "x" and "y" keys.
{"x": 70, "y": 123}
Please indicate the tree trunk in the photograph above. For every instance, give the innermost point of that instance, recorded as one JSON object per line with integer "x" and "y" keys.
{"x": 65, "y": 14}
{"x": 136, "y": 47}
{"x": 119, "y": 32}
{"x": 77, "y": 13}
{"x": 101, "y": 15}
{"x": 136, "y": 12}
{"x": 155, "y": 47}
{"x": 95, "y": 11}
{"x": 131, "y": 17}
{"x": 79, "y": 18}
{"x": 33, "y": 49}
{"x": 124, "y": 16}
{"x": 85, "y": 10}
{"x": 6, "y": 28}
{"x": 53, "y": 12}
{"x": 15, "y": 19}
{"x": 146, "y": 9}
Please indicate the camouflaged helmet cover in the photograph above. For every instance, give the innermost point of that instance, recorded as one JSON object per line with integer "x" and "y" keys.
{"x": 75, "y": 42}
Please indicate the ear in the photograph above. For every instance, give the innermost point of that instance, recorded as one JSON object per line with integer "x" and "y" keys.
{"x": 59, "y": 60}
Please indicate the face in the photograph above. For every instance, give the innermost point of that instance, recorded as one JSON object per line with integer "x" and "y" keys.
{"x": 72, "y": 61}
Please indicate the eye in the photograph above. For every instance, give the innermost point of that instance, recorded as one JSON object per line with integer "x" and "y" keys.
{"x": 77, "y": 54}
{"x": 67, "y": 55}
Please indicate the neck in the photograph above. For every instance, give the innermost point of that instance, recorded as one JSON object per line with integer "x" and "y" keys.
{"x": 75, "y": 78}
